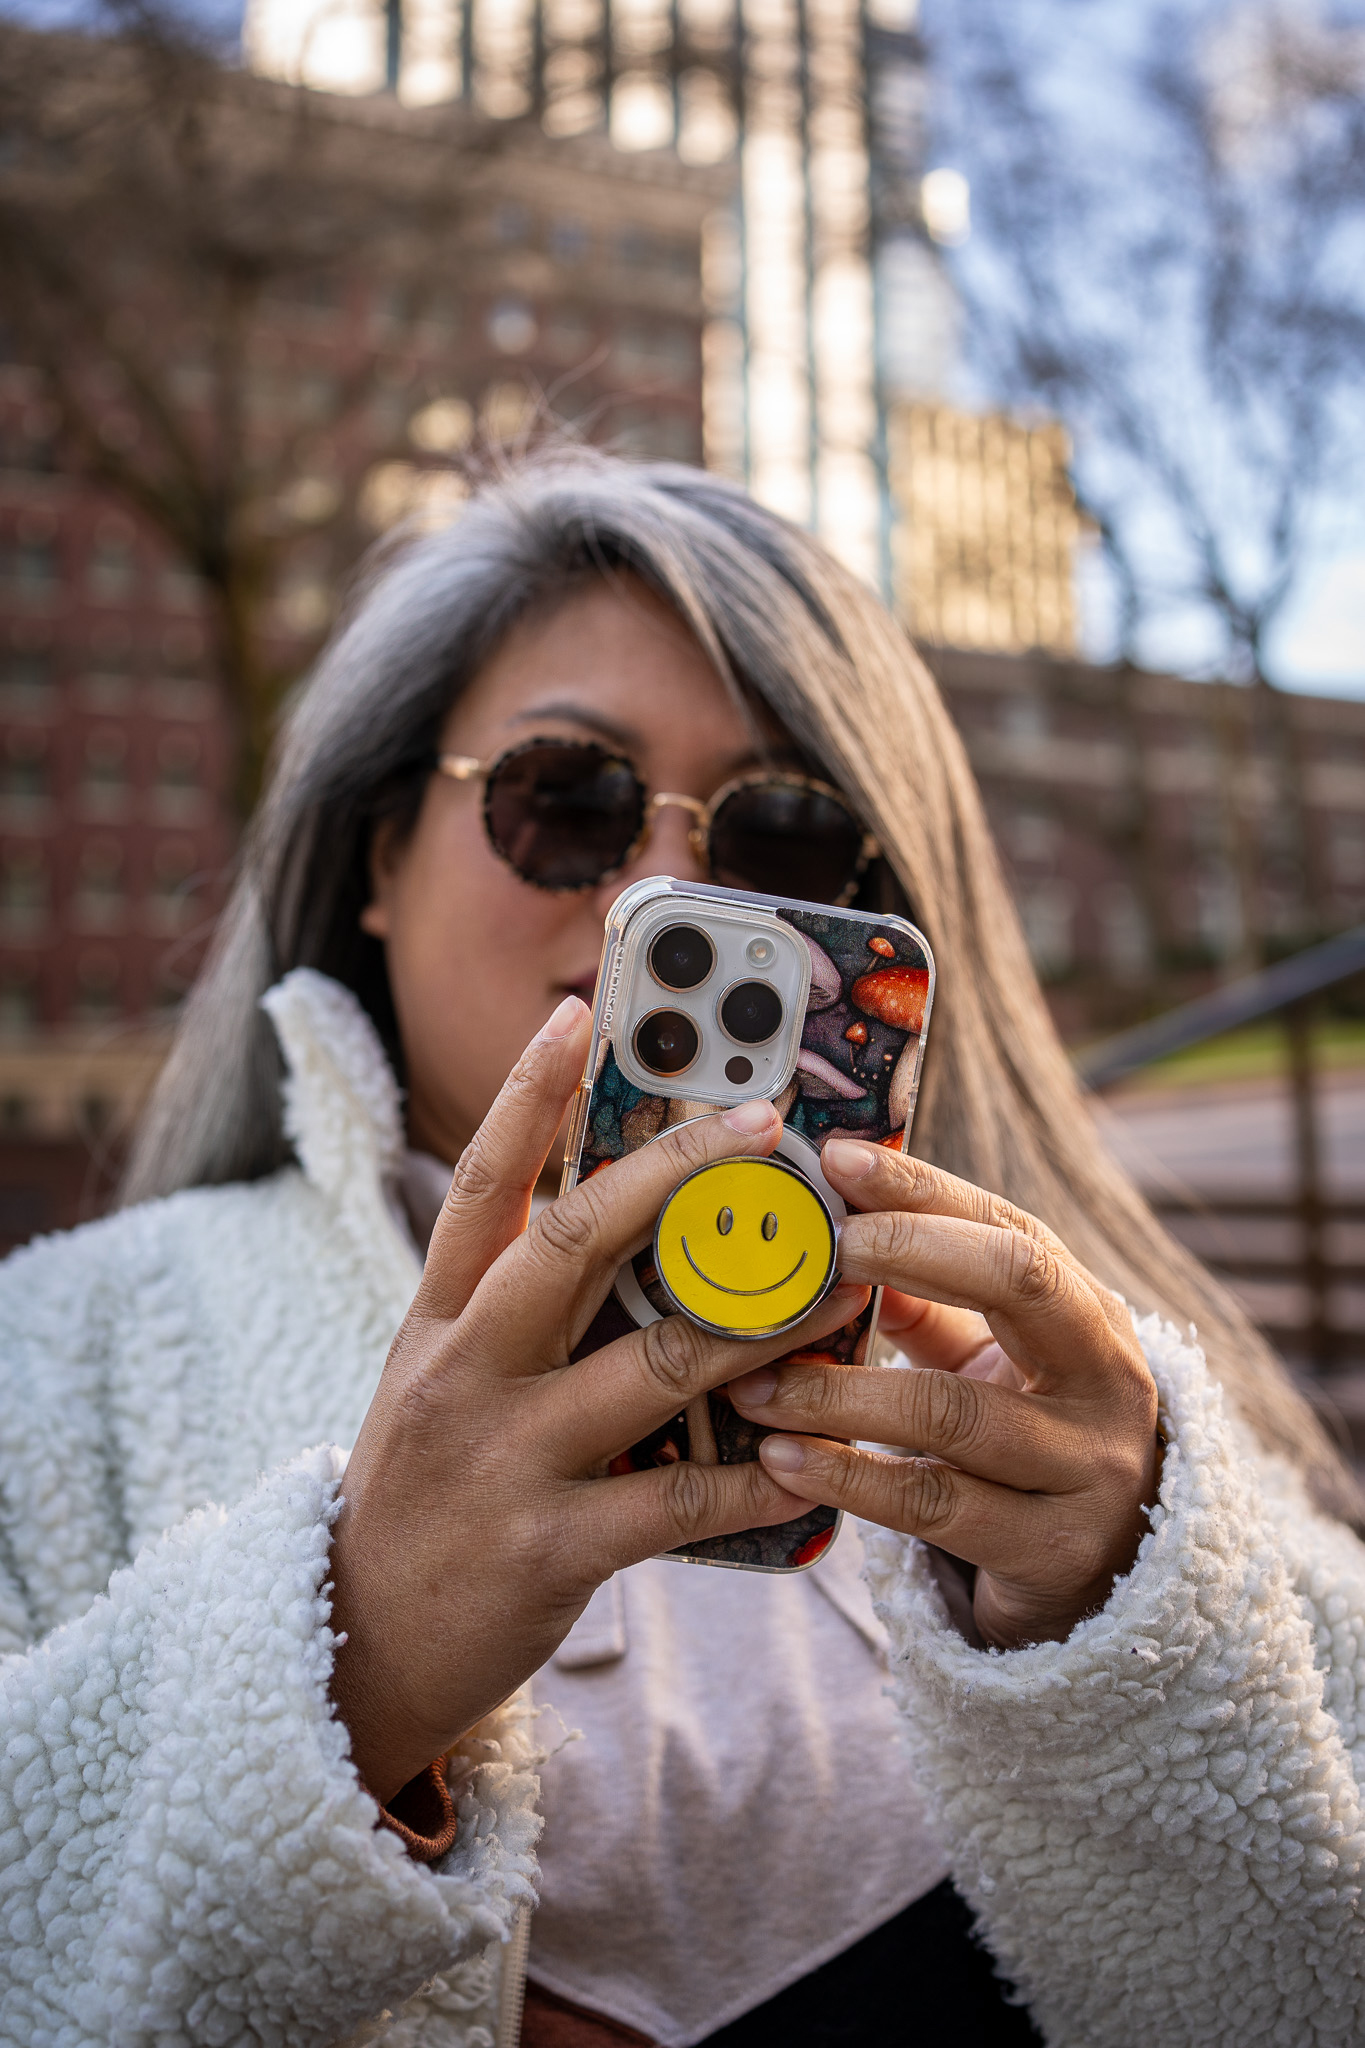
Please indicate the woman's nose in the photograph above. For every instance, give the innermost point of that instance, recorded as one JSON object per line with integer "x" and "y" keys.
{"x": 667, "y": 850}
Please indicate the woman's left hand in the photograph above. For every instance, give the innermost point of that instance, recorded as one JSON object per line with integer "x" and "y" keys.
{"x": 1034, "y": 1427}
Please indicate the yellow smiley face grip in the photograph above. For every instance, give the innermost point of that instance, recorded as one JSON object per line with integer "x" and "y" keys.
{"x": 746, "y": 1247}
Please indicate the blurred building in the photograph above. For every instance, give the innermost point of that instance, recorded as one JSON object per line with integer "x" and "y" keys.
{"x": 1159, "y": 834}
{"x": 826, "y": 295}
{"x": 986, "y": 530}
{"x": 118, "y": 823}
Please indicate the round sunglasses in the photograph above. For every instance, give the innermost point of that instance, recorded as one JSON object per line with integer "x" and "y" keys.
{"x": 570, "y": 814}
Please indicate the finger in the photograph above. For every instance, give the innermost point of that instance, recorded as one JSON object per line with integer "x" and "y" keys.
{"x": 490, "y": 1192}
{"x": 989, "y": 1525}
{"x": 538, "y": 1301}
{"x": 930, "y": 1334}
{"x": 648, "y": 1514}
{"x": 871, "y": 1177}
{"x": 1039, "y": 1307}
{"x": 991, "y": 1431}
{"x": 605, "y": 1403}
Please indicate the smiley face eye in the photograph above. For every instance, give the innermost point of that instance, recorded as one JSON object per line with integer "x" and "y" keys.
{"x": 770, "y": 1226}
{"x": 725, "y": 1222}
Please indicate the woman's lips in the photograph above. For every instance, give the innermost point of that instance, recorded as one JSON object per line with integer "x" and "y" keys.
{"x": 584, "y": 988}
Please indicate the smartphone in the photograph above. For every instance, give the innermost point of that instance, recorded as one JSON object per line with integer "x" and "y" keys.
{"x": 707, "y": 997}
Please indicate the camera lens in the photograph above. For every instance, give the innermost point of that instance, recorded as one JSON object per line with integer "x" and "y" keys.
{"x": 666, "y": 1042}
{"x": 681, "y": 957}
{"x": 751, "y": 1012}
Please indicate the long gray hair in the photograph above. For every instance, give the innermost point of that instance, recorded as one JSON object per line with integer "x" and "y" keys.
{"x": 784, "y": 624}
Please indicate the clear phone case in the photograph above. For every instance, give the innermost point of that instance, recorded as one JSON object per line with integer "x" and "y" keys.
{"x": 857, "y": 1075}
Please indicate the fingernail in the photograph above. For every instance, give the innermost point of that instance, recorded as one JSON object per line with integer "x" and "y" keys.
{"x": 561, "y": 1022}
{"x": 849, "y": 1159}
{"x": 782, "y": 1453}
{"x": 755, "y": 1388}
{"x": 750, "y": 1117}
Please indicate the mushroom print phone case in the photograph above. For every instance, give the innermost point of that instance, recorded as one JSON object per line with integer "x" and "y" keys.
{"x": 707, "y": 997}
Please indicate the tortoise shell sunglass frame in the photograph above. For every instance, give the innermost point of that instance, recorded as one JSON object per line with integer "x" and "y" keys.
{"x": 567, "y": 815}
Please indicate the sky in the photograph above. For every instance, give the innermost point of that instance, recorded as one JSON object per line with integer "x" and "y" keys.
{"x": 1082, "y": 66}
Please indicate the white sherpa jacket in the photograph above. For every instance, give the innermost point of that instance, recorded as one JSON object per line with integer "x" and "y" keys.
{"x": 1158, "y": 1821}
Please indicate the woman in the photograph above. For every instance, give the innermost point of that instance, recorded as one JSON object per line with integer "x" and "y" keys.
{"x": 269, "y": 1775}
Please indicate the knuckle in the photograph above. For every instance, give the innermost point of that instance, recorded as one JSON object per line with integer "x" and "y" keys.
{"x": 816, "y": 1394}
{"x": 475, "y": 1178}
{"x": 955, "y": 1412}
{"x": 670, "y": 1350}
{"x": 1033, "y": 1270}
{"x": 887, "y": 1234}
{"x": 690, "y": 1143}
{"x": 568, "y": 1228}
{"x": 929, "y": 1496}
{"x": 689, "y": 1497}
{"x": 918, "y": 1181}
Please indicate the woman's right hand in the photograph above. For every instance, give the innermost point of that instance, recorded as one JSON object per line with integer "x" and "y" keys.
{"x": 478, "y": 1518}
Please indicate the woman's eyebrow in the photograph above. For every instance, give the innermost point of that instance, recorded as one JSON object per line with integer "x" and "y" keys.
{"x": 624, "y": 736}
{"x": 631, "y": 741}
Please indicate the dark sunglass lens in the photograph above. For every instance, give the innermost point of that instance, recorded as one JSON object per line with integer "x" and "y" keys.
{"x": 786, "y": 840}
{"x": 751, "y": 1012}
{"x": 564, "y": 817}
{"x": 681, "y": 957}
{"x": 667, "y": 1042}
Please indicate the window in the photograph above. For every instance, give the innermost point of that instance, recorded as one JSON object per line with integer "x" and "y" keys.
{"x": 108, "y": 684}
{"x": 26, "y": 684}
{"x": 511, "y": 326}
{"x": 104, "y": 774}
{"x": 30, "y": 569}
{"x": 96, "y": 1000}
{"x": 1047, "y": 909}
{"x": 569, "y": 239}
{"x": 18, "y": 1005}
{"x": 25, "y": 779}
{"x": 170, "y": 903}
{"x": 1024, "y": 718}
{"x": 28, "y": 445}
{"x": 112, "y": 569}
{"x": 177, "y": 794}
{"x": 512, "y": 224}
{"x": 569, "y": 334}
{"x": 100, "y": 900}
{"x": 658, "y": 352}
{"x": 178, "y": 586}
{"x": 24, "y": 892}
{"x": 316, "y": 396}
{"x": 635, "y": 248}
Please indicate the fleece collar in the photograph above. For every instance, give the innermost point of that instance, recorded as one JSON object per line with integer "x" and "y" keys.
{"x": 342, "y": 1108}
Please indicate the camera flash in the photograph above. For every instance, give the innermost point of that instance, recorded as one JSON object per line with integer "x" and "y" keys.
{"x": 760, "y": 952}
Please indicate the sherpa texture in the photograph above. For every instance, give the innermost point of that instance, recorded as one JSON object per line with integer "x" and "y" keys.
{"x": 186, "y": 1853}
{"x": 1159, "y": 1820}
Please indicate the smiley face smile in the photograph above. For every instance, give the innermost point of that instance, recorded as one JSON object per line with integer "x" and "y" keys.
{"x": 746, "y": 1247}
{"x": 770, "y": 1289}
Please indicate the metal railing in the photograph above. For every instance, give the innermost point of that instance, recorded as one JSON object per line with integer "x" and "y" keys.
{"x": 1291, "y": 991}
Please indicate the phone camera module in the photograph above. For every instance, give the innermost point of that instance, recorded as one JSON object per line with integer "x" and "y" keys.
{"x": 681, "y": 957}
{"x": 666, "y": 1042}
{"x": 760, "y": 952}
{"x": 751, "y": 1012}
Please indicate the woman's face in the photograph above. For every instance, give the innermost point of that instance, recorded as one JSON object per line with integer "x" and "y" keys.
{"x": 477, "y": 958}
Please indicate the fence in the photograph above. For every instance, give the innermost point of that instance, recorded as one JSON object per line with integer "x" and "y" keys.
{"x": 1301, "y": 1260}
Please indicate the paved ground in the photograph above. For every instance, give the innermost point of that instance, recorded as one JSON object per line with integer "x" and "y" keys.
{"x": 1237, "y": 1139}
{"x": 1234, "y": 1137}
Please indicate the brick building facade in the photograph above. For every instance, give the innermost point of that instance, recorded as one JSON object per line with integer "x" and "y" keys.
{"x": 579, "y": 289}
{"x": 1160, "y": 834}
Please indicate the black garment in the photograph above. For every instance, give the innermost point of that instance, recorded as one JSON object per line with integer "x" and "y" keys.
{"x": 920, "y": 1981}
